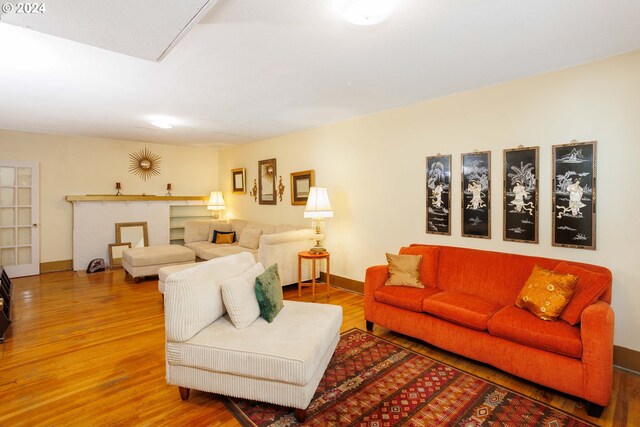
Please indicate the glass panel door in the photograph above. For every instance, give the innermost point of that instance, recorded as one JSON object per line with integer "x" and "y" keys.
{"x": 19, "y": 217}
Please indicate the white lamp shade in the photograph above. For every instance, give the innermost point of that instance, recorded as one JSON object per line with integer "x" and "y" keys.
{"x": 318, "y": 205}
{"x": 216, "y": 201}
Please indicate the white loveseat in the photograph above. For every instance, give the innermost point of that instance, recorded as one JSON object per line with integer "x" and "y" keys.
{"x": 281, "y": 362}
{"x": 274, "y": 244}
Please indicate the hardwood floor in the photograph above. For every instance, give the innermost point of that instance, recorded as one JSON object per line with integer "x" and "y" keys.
{"x": 89, "y": 350}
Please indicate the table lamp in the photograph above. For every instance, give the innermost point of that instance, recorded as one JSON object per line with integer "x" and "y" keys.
{"x": 318, "y": 207}
{"x": 216, "y": 203}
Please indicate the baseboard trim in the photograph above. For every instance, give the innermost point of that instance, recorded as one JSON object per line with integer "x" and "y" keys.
{"x": 344, "y": 283}
{"x": 49, "y": 267}
{"x": 626, "y": 358}
{"x": 623, "y": 357}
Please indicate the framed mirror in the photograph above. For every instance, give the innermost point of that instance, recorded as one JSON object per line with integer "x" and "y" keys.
{"x": 115, "y": 254}
{"x": 238, "y": 178}
{"x": 132, "y": 232}
{"x": 267, "y": 182}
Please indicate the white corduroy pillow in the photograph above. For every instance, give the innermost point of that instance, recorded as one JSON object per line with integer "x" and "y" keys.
{"x": 193, "y": 298}
{"x": 250, "y": 238}
{"x": 239, "y": 297}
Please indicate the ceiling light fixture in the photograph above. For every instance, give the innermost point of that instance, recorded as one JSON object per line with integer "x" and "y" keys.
{"x": 161, "y": 124}
{"x": 364, "y": 12}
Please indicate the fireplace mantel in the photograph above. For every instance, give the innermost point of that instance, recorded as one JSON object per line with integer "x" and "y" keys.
{"x": 95, "y": 216}
{"x": 131, "y": 198}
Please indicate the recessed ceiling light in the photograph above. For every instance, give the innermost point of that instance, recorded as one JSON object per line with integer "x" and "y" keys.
{"x": 163, "y": 122}
{"x": 364, "y": 12}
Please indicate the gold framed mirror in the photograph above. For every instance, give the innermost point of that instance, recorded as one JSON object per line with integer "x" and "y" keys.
{"x": 144, "y": 163}
{"x": 133, "y": 232}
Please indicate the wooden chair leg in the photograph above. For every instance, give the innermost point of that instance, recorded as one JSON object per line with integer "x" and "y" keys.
{"x": 184, "y": 392}
{"x": 301, "y": 415}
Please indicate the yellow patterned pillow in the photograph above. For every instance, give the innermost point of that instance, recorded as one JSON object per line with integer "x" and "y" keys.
{"x": 404, "y": 270}
{"x": 546, "y": 293}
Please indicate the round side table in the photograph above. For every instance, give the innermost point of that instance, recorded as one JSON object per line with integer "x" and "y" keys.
{"x": 314, "y": 256}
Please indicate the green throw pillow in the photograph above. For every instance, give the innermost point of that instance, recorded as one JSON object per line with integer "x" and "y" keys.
{"x": 269, "y": 293}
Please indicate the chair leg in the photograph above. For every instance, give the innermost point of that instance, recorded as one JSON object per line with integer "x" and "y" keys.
{"x": 184, "y": 392}
{"x": 301, "y": 415}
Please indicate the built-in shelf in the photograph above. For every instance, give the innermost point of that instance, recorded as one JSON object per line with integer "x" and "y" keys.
{"x": 179, "y": 214}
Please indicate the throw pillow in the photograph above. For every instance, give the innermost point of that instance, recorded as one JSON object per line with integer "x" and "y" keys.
{"x": 429, "y": 266}
{"x": 404, "y": 270}
{"x": 546, "y": 293}
{"x": 223, "y": 237}
{"x": 269, "y": 293}
{"x": 590, "y": 287}
{"x": 239, "y": 297}
{"x": 250, "y": 238}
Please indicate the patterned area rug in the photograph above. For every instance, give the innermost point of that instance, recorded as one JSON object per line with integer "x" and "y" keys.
{"x": 373, "y": 382}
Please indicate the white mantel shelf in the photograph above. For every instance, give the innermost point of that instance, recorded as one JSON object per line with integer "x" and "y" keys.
{"x": 132, "y": 198}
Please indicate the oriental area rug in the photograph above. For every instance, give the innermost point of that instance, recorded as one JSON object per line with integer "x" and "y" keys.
{"x": 376, "y": 383}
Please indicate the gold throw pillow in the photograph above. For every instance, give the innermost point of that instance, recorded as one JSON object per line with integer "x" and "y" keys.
{"x": 404, "y": 270}
{"x": 546, "y": 293}
{"x": 224, "y": 238}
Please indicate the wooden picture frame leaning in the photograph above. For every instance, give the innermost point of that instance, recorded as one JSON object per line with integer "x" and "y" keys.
{"x": 439, "y": 194}
{"x": 476, "y": 194}
{"x": 134, "y": 232}
{"x": 115, "y": 254}
{"x": 301, "y": 183}
{"x": 520, "y": 194}
{"x": 574, "y": 195}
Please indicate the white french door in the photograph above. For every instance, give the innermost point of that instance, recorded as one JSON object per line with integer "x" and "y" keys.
{"x": 19, "y": 218}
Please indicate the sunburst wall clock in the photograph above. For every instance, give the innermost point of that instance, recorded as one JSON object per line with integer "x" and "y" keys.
{"x": 144, "y": 163}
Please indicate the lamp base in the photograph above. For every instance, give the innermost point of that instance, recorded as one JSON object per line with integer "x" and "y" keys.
{"x": 317, "y": 249}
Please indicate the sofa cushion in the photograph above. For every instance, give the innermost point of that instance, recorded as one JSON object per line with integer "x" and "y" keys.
{"x": 546, "y": 293}
{"x": 518, "y": 325}
{"x": 404, "y": 270}
{"x": 197, "y": 230}
{"x": 158, "y": 255}
{"x": 239, "y": 297}
{"x": 464, "y": 309}
{"x": 588, "y": 289}
{"x": 429, "y": 266}
{"x": 164, "y": 272}
{"x": 250, "y": 238}
{"x": 216, "y": 251}
{"x": 217, "y": 225}
{"x": 223, "y": 237}
{"x": 287, "y": 350}
{"x": 404, "y": 297}
{"x": 192, "y": 297}
{"x": 269, "y": 293}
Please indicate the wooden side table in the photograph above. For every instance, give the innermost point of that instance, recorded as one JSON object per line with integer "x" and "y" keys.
{"x": 314, "y": 256}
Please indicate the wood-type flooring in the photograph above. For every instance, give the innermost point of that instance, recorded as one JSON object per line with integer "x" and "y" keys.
{"x": 89, "y": 350}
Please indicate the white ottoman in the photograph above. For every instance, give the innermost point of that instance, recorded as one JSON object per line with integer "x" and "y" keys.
{"x": 140, "y": 262}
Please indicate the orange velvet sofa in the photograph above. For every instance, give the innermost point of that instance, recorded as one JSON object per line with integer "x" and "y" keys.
{"x": 468, "y": 307}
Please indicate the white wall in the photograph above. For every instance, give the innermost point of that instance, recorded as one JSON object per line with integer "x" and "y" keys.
{"x": 78, "y": 166}
{"x": 374, "y": 168}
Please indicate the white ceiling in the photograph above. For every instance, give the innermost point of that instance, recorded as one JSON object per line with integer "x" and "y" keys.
{"x": 251, "y": 69}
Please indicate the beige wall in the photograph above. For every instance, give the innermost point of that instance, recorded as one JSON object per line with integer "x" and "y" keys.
{"x": 374, "y": 168}
{"x": 77, "y": 166}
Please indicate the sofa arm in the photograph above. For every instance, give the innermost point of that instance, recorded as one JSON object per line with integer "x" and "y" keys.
{"x": 375, "y": 278}
{"x": 596, "y": 330}
{"x": 283, "y": 250}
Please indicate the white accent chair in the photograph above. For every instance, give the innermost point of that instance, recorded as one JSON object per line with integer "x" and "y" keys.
{"x": 280, "y": 362}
